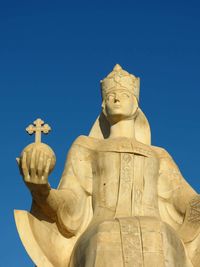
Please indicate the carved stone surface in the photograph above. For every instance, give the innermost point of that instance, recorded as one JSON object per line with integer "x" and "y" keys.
{"x": 121, "y": 201}
{"x": 194, "y": 210}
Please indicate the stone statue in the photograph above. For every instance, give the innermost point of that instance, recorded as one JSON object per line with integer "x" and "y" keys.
{"x": 121, "y": 201}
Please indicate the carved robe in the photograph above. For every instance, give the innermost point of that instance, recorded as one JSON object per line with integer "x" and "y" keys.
{"x": 133, "y": 191}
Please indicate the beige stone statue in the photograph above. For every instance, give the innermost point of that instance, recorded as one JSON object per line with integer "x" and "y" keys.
{"x": 121, "y": 202}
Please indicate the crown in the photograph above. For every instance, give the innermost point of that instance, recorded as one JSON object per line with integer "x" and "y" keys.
{"x": 120, "y": 79}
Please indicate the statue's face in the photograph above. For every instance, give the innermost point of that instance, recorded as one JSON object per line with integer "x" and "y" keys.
{"x": 120, "y": 104}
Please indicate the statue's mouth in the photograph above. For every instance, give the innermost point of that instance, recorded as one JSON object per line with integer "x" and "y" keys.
{"x": 117, "y": 106}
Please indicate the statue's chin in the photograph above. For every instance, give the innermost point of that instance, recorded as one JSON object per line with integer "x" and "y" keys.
{"x": 116, "y": 115}
{"x": 115, "y": 118}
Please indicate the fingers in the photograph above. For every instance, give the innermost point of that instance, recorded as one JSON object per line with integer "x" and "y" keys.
{"x": 40, "y": 166}
{"x": 33, "y": 164}
{"x": 25, "y": 168}
{"x": 44, "y": 160}
{"x": 46, "y": 171}
{"x": 43, "y": 165}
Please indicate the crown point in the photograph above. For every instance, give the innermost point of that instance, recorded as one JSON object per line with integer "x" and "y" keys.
{"x": 117, "y": 67}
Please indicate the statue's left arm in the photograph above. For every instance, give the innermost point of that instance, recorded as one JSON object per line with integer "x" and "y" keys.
{"x": 179, "y": 205}
{"x": 177, "y": 199}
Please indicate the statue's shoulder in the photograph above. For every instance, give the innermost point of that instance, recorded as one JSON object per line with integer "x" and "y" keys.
{"x": 86, "y": 142}
{"x": 161, "y": 152}
{"x": 166, "y": 160}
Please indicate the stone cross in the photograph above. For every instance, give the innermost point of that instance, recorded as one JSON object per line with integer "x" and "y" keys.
{"x": 38, "y": 129}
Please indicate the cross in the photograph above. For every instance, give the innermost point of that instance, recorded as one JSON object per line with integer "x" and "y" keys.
{"x": 38, "y": 129}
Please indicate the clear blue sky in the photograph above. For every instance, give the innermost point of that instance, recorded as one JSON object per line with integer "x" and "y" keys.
{"x": 53, "y": 55}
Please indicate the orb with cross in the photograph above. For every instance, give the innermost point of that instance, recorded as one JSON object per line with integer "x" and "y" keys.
{"x": 38, "y": 127}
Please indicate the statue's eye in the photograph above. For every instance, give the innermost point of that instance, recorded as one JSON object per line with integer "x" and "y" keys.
{"x": 124, "y": 95}
{"x": 110, "y": 97}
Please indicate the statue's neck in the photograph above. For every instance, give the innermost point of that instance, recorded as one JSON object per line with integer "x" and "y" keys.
{"x": 124, "y": 128}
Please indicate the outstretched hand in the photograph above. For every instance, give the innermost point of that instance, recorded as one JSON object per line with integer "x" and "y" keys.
{"x": 35, "y": 166}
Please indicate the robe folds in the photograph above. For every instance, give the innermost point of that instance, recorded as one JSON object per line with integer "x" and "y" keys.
{"x": 136, "y": 198}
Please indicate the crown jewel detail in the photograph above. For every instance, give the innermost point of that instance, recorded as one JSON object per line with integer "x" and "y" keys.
{"x": 120, "y": 79}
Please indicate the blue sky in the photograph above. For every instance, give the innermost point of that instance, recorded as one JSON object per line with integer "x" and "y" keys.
{"x": 53, "y": 55}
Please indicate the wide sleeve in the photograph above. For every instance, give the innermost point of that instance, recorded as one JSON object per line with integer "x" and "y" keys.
{"x": 74, "y": 212}
{"x": 174, "y": 192}
{"x": 179, "y": 205}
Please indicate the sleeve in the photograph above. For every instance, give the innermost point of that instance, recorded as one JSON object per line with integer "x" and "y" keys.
{"x": 74, "y": 211}
{"x": 174, "y": 192}
{"x": 179, "y": 205}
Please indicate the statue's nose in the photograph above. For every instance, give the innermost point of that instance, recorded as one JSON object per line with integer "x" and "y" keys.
{"x": 116, "y": 99}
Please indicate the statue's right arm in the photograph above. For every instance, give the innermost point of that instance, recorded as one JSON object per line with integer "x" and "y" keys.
{"x": 65, "y": 205}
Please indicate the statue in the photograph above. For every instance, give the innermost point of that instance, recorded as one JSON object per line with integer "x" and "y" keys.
{"x": 121, "y": 201}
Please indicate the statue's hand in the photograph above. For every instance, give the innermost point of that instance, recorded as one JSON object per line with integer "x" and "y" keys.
{"x": 36, "y": 162}
{"x": 35, "y": 169}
